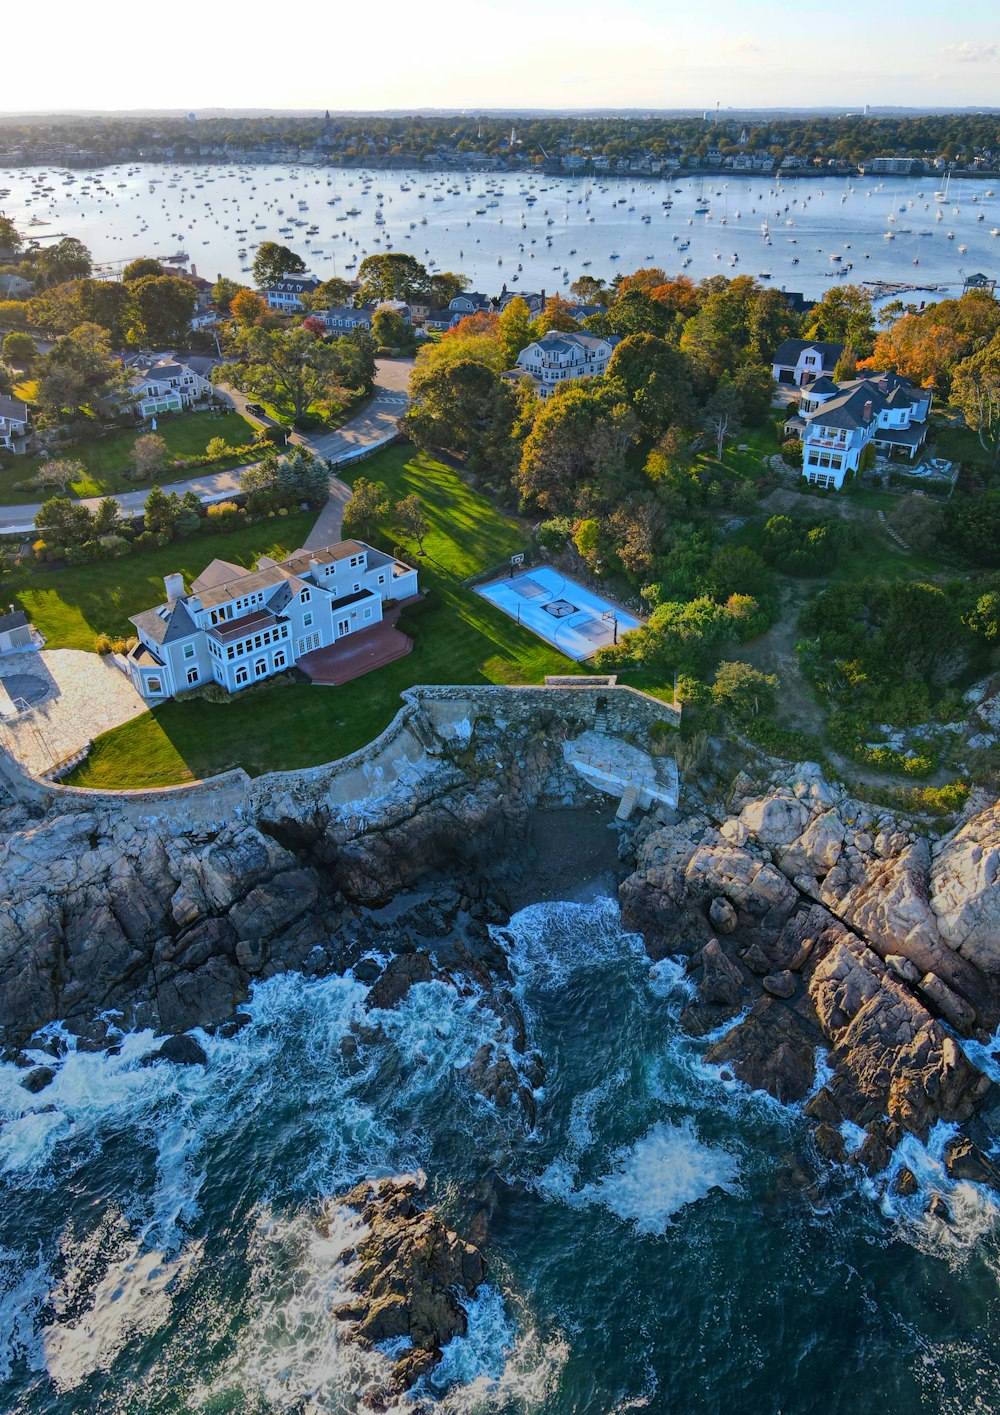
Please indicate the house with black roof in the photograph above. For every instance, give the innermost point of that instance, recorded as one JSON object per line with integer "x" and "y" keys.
{"x": 801, "y": 361}
{"x": 837, "y": 421}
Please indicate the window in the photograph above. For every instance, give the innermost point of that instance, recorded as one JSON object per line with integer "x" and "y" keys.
{"x": 307, "y": 618}
{"x": 192, "y": 676}
{"x": 306, "y": 596}
{"x": 260, "y": 668}
{"x": 381, "y": 579}
{"x": 357, "y": 586}
{"x": 189, "y": 650}
{"x": 279, "y": 659}
{"x": 368, "y": 614}
{"x": 257, "y": 641}
{"x": 154, "y": 685}
{"x": 241, "y": 674}
{"x": 230, "y": 652}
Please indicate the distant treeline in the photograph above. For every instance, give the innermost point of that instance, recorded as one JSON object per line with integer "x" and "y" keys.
{"x": 959, "y": 138}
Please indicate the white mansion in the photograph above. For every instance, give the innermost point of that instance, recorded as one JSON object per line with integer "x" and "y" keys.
{"x": 238, "y": 626}
{"x": 837, "y": 421}
{"x": 557, "y": 358}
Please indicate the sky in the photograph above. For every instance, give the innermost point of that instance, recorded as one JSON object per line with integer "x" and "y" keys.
{"x": 114, "y": 54}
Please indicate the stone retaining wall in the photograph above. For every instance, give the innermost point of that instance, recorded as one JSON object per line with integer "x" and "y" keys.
{"x": 430, "y": 713}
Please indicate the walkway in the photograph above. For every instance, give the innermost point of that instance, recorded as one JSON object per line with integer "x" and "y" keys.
{"x": 375, "y": 423}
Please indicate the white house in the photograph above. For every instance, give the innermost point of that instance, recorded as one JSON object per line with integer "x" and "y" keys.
{"x": 837, "y": 421}
{"x": 237, "y": 626}
{"x": 161, "y": 383}
{"x": 557, "y": 358}
{"x": 15, "y": 425}
{"x": 800, "y": 361}
{"x": 16, "y": 632}
{"x": 286, "y": 294}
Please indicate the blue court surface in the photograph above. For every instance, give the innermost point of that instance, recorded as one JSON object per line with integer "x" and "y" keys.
{"x": 574, "y": 620}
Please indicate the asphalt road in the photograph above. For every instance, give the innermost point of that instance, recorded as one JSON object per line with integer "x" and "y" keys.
{"x": 373, "y": 424}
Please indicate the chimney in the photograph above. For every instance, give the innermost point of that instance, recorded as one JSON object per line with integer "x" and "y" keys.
{"x": 868, "y": 411}
{"x": 194, "y": 268}
{"x": 174, "y": 586}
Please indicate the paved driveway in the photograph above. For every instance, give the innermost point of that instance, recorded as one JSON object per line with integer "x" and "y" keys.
{"x": 79, "y": 695}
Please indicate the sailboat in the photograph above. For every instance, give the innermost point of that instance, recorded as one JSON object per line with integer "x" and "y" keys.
{"x": 942, "y": 196}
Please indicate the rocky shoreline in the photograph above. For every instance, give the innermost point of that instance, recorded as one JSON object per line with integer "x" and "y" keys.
{"x": 820, "y": 929}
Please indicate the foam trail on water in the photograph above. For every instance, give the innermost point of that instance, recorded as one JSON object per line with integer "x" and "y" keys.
{"x": 650, "y": 1181}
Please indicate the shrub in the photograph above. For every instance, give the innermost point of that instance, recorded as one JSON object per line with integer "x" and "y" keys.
{"x": 105, "y": 643}
{"x": 115, "y": 546}
{"x": 217, "y": 447}
{"x": 553, "y": 534}
{"x": 791, "y": 452}
{"x": 40, "y": 549}
{"x": 223, "y": 516}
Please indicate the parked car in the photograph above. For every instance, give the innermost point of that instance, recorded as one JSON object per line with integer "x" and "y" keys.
{"x": 256, "y": 409}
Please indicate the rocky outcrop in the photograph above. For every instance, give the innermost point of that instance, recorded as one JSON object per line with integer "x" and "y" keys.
{"x": 850, "y": 934}
{"x": 158, "y": 923}
{"x": 409, "y": 1275}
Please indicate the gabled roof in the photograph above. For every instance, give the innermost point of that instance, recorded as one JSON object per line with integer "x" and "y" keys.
{"x": 217, "y": 572}
{"x": 300, "y": 561}
{"x": 247, "y": 582}
{"x": 165, "y": 624}
{"x": 13, "y": 408}
{"x": 788, "y": 352}
{"x": 15, "y": 620}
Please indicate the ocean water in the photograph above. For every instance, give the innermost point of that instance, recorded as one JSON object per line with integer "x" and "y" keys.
{"x": 527, "y": 230}
{"x": 663, "y": 1241}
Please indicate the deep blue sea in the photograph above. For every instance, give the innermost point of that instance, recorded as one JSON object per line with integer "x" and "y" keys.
{"x": 664, "y": 1241}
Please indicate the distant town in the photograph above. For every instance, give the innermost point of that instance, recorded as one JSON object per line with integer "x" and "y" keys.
{"x": 967, "y": 144}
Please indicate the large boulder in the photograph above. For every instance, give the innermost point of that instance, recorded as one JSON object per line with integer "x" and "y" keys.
{"x": 410, "y": 1272}
{"x": 965, "y": 890}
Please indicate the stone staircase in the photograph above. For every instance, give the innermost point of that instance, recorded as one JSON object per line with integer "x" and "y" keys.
{"x": 600, "y": 719}
{"x": 627, "y": 803}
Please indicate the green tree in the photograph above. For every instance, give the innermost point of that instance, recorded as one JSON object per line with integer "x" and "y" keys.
{"x": 443, "y": 287}
{"x": 59, "y": 473}
{"x": 461, "y": 405}
{"x": 287, "y": 367}
{"x": 108, "y": 304}
{"x": 390, "y": 330}
{"x": 330, "y": 294}
{"x": 144, "y": 265}
{"x": 68, "y": 259}
{"x": 575, "y": 455}
{"x": 722, "y": 414}
{"x": 514, "y": 331}
{"x": 223, "y": 293}
{"x": 160, "y": 512}
{"x": 273, "y": 262}
{"x": 744, "y": 692}
{"x": 657, "y": 379}
{"x": 10, "y": 239}
{"x": 754, "y": 383}
{"x": 975, "y": 390}
{"x": 19, "y": 349}
{"x": 60, "y": 521}
{"x": 149, "y": 455}
{"x": 843, "y": 316}
{"x": 410, "y": 518}
{"x": 367, "y": 507}
{"x": 393, "y": 276}
{"x": 161, "y": 310}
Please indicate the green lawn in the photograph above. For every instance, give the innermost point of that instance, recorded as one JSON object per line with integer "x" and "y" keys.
{"x": 71, "y": 606}
{"x": 106, "y": 459}
{"x": 460, "y": 638}
{"x": 760, "y": 443}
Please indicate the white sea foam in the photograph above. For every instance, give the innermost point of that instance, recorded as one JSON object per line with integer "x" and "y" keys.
{"x": 110, "y": 1292}
{"x": 652, "y": 1180}
{"x": 972, "y": 1210}
{"x": 547, "y": 942}
{"x": 23, "y": 1288}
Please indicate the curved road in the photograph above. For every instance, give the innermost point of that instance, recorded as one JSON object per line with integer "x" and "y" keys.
{"x": 375, "y": 423}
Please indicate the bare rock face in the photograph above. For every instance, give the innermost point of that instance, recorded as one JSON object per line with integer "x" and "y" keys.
{"x": 412, "y": 1272}
{"x": 854, "y": 935}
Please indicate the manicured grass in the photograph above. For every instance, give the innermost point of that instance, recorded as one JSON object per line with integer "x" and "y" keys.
{"x": 460, "y": 638}
{"x": 71, "y": 606}
{"x": 106, "y": 459}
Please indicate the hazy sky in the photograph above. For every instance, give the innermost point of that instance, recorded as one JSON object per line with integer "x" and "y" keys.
{"x": 109, "y": 54}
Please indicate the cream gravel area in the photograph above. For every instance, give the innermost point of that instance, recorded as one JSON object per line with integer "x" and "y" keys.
{"x": 85, "y": 695}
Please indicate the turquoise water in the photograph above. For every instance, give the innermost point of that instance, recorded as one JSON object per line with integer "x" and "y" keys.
{"x": 526, "y": 230}
{"x": 663, "y": 1241}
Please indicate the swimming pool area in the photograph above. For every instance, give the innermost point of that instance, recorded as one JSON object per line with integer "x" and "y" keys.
{"x": 559, "y": 610}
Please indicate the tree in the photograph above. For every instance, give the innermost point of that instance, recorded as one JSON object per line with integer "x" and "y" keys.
{"x": 10, "y": 239}
{"x": 390, "y": 330}
{"x": 149, "y": 455}
{"x": 843, "y": 316}
{"x": 106, "y": 303}
{"x": 106, "y": 517}
{"x": 159, "y": 514}
{"x": 161, "y": 308}
{"x": 975, "y": 390}
{"x": 285, "y": 481}
{"x": 744, "y": 692}
{"x": 330, "y": 294}
{"x": 846, "y": 367}
{"x": 68, "y": 259}
{"x": 287, "y": 367}
{"x": 60, "y": 521}
{"x": 60, "y": 473}
{"x": 273, "y": 262}
{"x": 443, "y": 287}
{"x": 367, "y": 508}
{"x": 657, "y": 378}
{"x": 755, "y": 385}
{"x": 19, "y": 349}
{"x": 556, "y": 314}
{"x": 411, "y": 520}
{"x": 248, "y": 308}
{"x": 574, "y": 458}
{"x": 513, "y": 330}
{"x": 590, "y": 290}
{"x": 722, "y": 414}
{"x": 393, "y": 276}
{"x": 224, "y": 292}
{"x": 461, "y": 405}
{"x": 144, "y": 265}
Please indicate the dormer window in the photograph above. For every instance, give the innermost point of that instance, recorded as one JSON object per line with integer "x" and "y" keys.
{"x": 306, "y": 596}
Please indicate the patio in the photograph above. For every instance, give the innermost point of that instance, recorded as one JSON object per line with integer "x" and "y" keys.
{"x": 357, "y": 654}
